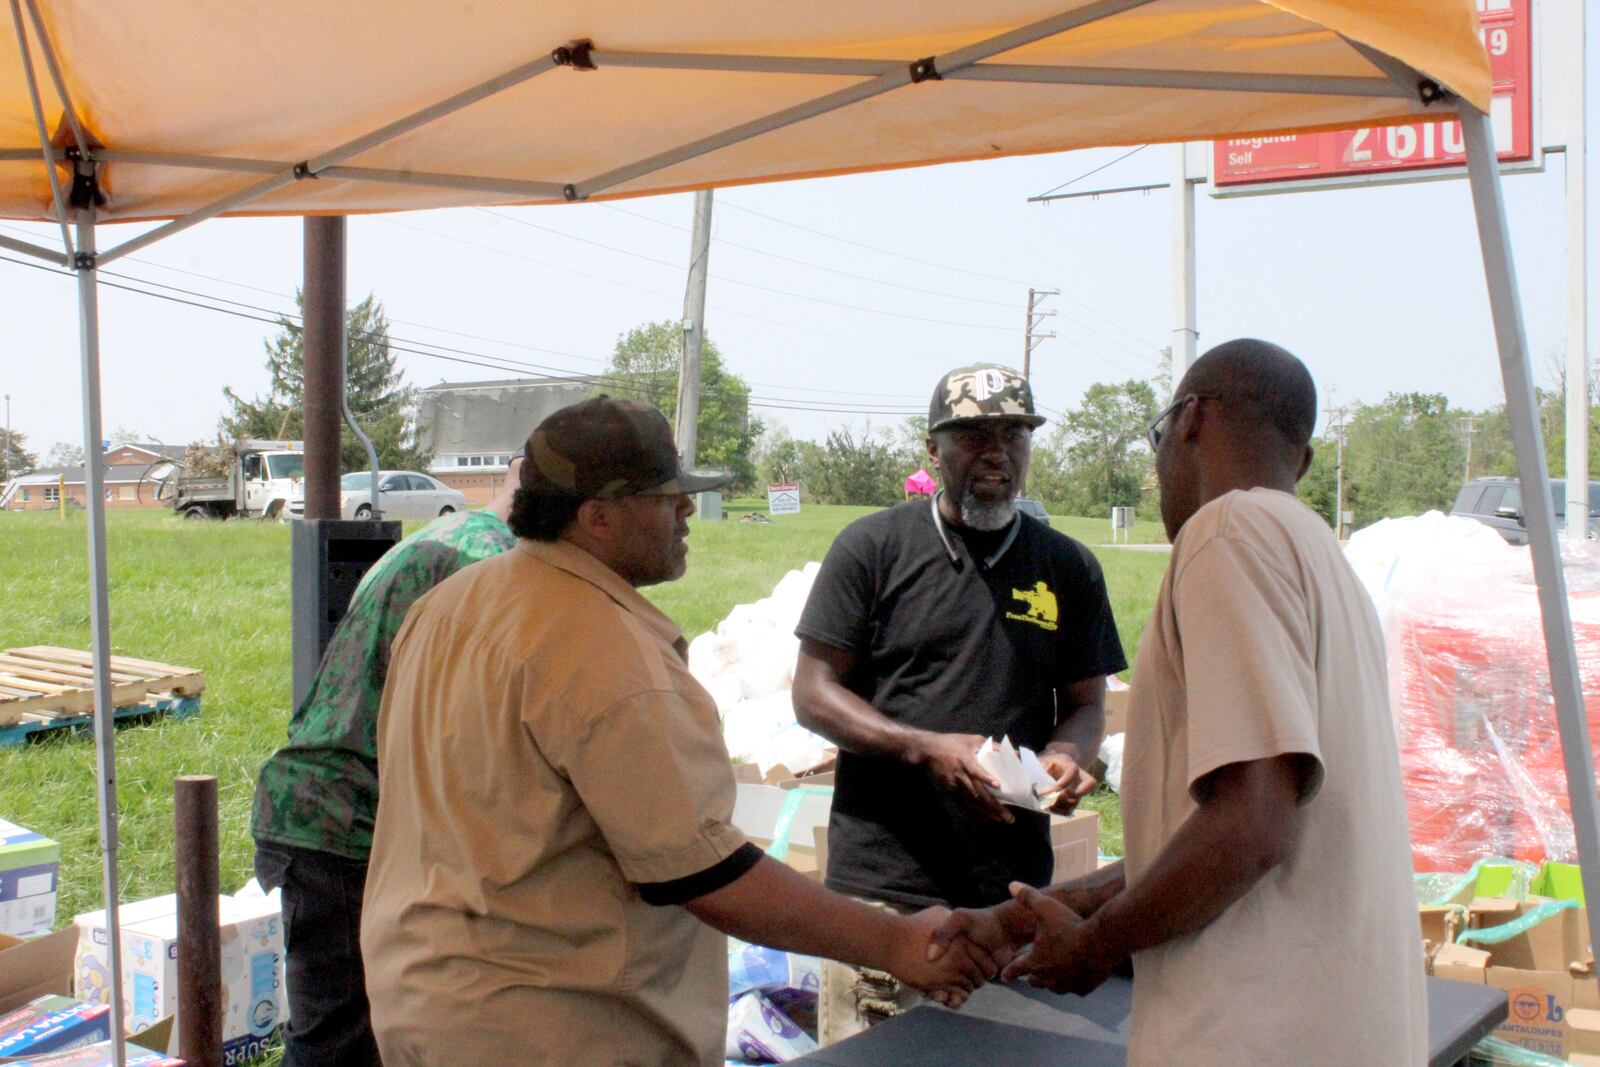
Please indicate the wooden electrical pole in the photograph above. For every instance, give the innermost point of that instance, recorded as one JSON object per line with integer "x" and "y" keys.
{"x": 694, "y": 331}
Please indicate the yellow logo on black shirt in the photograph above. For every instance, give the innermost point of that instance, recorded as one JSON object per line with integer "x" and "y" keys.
{"x": 1041, "y": 604}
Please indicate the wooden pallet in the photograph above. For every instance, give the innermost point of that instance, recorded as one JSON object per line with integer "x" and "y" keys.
{"x": 169, "y": 705}
{"x": 42, "y": 681}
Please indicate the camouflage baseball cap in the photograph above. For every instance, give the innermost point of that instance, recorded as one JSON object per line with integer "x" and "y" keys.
{"x": 982, "y": 391}
{"x": 609, "y": 448}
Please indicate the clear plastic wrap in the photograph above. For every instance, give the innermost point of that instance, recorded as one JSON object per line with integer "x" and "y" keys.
{"x": 1480, "y": 751}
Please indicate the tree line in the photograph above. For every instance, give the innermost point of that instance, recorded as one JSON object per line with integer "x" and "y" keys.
{"x": 1408, "y": 453}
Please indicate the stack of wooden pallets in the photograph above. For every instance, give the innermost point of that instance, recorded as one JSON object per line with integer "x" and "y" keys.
{"x": 43, "y": 687}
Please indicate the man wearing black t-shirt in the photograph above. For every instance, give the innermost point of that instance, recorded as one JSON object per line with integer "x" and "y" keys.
{"x": 930, "y": 627}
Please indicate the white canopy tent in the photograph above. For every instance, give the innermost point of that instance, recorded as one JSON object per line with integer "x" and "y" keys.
{"x": 184, "y": 110}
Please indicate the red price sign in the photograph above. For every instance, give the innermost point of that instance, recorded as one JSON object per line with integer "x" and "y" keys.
{"x": 1255, "y": 164}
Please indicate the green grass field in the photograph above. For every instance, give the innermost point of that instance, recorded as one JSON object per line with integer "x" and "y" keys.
{"x": 216, "y": 596}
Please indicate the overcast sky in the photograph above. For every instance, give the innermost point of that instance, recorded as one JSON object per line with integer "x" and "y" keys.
{"x": 854, "y": 292}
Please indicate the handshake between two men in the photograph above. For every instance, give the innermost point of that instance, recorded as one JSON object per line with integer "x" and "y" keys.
{"x": 1043, "y": 937}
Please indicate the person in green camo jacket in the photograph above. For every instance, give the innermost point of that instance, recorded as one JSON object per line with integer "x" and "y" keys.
{"x": 317, "y": 796}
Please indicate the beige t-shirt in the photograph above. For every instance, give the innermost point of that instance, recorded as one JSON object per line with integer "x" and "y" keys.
{"x": 1264, "y": 643}
{"x": 543, "y": 750}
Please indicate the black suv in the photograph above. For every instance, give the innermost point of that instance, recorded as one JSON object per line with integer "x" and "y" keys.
{"x": 1497, "y": 502}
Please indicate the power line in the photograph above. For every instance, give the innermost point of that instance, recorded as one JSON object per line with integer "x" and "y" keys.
{"x": 739, "y": 281}
{"x": 872, "y": 248}
{"x": 462, "y": 356}
{"x": 654, "y": 292}
{"x": 803, "y": 262}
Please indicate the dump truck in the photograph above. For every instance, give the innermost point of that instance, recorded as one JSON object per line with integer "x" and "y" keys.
{"x": 250, "y": 479}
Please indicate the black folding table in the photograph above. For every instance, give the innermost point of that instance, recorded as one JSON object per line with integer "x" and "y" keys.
{"x": 1020, "y": 1026}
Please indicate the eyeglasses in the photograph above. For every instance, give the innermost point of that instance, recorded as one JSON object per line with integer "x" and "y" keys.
{"x": 977, "y": 438}
{"x": 1153, "y": 433}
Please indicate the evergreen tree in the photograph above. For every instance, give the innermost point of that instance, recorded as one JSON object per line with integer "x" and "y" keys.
{"x": 383, "y": 406}
{"x": 18, "y": 460}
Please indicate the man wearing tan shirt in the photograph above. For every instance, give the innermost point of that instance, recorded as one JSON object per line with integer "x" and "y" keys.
{"x": 1266, "y": 896}
{"x": 554, "y": 855}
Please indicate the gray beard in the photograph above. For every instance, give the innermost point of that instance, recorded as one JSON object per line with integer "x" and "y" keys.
{"x": 978, "y": 515}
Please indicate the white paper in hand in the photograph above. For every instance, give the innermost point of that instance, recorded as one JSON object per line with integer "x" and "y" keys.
{"x": 1023, "y": 779}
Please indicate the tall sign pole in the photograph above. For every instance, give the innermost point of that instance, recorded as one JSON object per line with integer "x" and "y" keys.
{"x": 694, "y": 331}
{"x": 1577, "y": 285}
{"x": 1184, "y": 334}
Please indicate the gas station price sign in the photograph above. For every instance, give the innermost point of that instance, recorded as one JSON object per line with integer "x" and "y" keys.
{"x": 1412, "y": 151}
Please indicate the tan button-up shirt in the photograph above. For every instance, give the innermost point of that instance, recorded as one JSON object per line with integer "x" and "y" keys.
{"x": 542, "y": 750}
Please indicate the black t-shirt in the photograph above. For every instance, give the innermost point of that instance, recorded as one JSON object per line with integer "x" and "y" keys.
{"x": 955, "y": 646}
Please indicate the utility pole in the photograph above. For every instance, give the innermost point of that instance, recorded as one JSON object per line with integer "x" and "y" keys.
{"x": 1032, "y": 338}
{"x": 8, "y": 437}
{"x": 1184, "y": 331}
{"x": 1577, "y": 285}
{"x": 694, "y": 331}
{"x": 1468, "y": 425}
{"x": 1336, "y": 417}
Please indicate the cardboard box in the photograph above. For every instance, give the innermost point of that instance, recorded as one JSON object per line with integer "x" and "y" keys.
{"x": 252, "y": 954}
{"x": 53, "y": 1024}
{"x": 1118, "y": 694}
{"x": 30, "y": 866}
{"x": 31, "y": 969}
{"x": 1536, "y": 970}
{"x": 98, "y": 1055}
{"x": 1075, "y": 840}
{"x": 757, "y": 810}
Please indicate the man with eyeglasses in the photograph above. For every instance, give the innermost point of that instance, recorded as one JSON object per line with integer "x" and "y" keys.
{"x": 1266, "y": 897}
{"x": 934, "y": 625}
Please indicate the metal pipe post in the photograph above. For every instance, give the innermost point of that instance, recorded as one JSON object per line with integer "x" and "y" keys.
{"x": 694, "y": 331}
{"x": 323, "y": 340}
{"x": 105, "y": 718}
{"x": 1184, "y": 334}
{"x": 1521, "y": 408}
{"x": 194, "y": 800}
{"x": 1577, "y": 286}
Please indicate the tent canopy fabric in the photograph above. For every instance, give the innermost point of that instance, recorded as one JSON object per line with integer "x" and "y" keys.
{"x": 193, "y": 101}
{"x": 921, "y": 483}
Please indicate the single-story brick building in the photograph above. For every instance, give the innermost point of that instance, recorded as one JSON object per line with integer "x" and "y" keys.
{"x": 132, "y": 470}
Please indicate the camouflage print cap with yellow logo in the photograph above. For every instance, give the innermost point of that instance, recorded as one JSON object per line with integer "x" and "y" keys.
{"x": 982, "y": 391}
{"x": 606, "y": 448}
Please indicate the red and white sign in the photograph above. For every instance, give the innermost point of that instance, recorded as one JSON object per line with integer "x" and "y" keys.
{"x": 1396, "y": 153}
{"x": 783, "y": 499}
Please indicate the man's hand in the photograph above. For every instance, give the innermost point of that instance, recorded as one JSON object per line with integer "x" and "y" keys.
{"x": 952, "y": 760}
{"x": 1066, "y": 957}
{"x": 947, "y": 975}
{"x": 1071, "y": 782}
{"x": 985, "y": 930}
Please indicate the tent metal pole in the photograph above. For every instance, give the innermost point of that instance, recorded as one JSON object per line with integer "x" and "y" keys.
{"x": 1565, "y": 685}
{"x": 231, "y": 164}
{"x": 316, "y": 164}
{"x": 44, "y": 134}
{"x": 858, "y": 68}
{"x": 432, "y": 180}
{"x": 54, "y": 67}
{"x": 38, "y": 251}
{"x": 933, "y": 67}
{"x": 105, "y": 717}
{"x": 236, "y": 165}
{"x": 1218, "y": 81}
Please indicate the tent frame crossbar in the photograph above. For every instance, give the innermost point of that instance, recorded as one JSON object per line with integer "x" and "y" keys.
{"x": 26, "y": 248}
{"x": 310, "y": 168}
{"x": 44, "y": 151}
{"x": 53, "y": 65}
